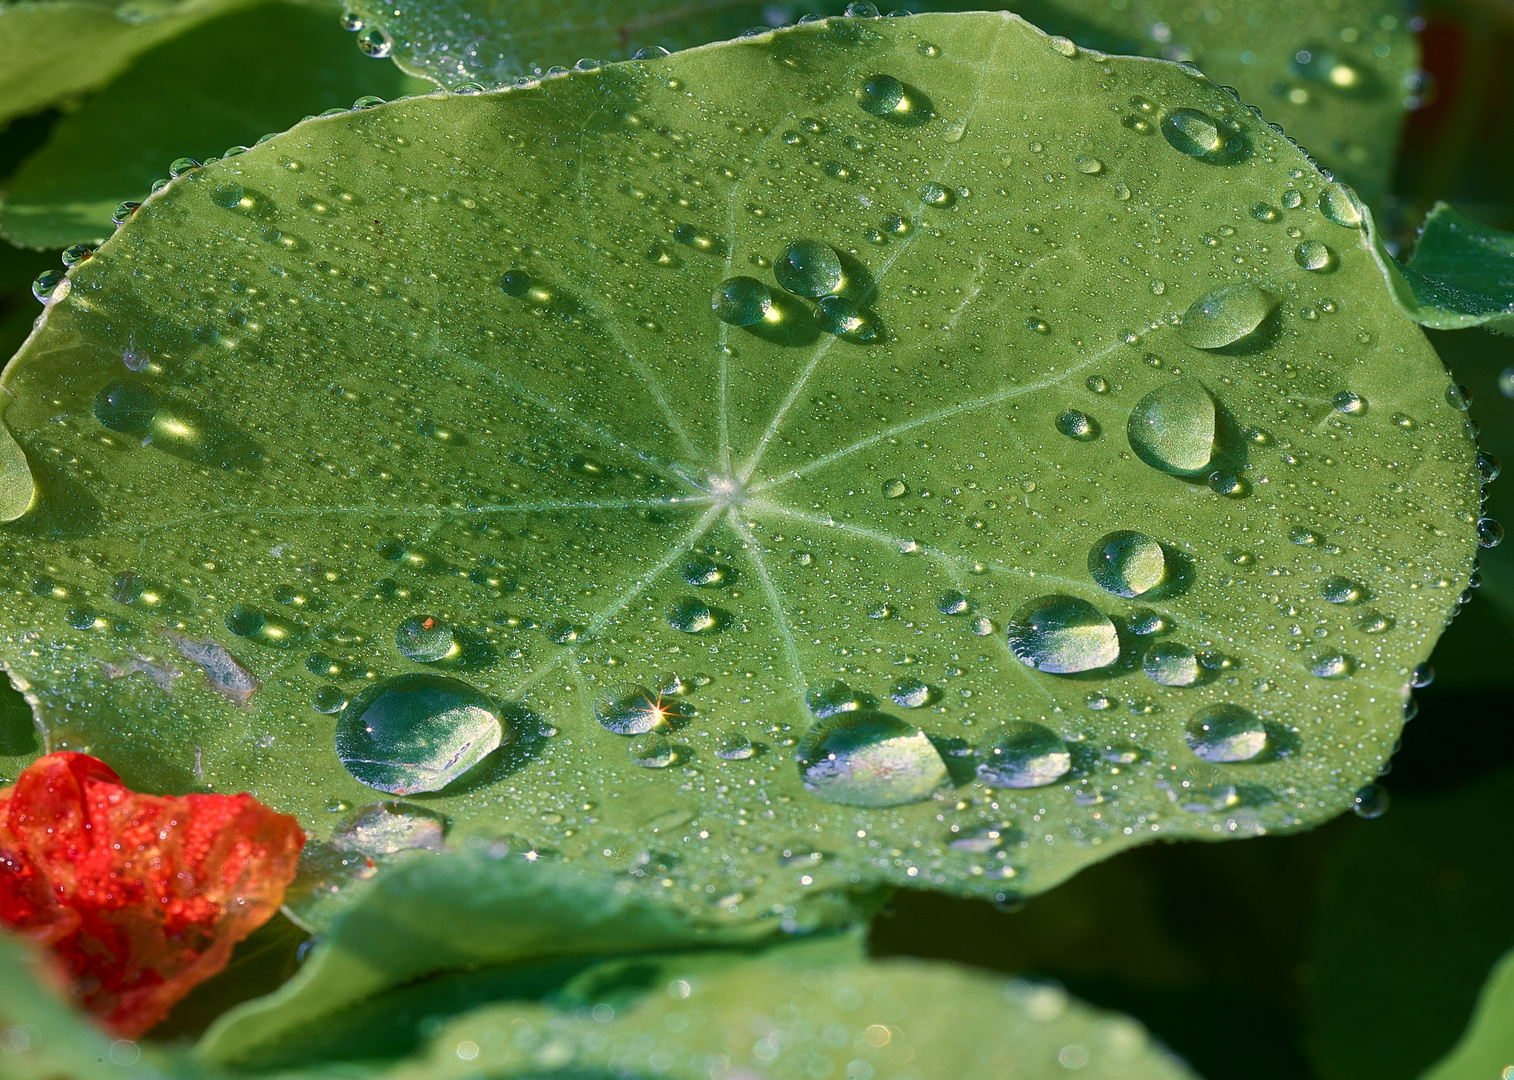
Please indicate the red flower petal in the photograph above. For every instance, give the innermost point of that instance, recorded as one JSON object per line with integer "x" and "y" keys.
{"x": 139, "y": 896}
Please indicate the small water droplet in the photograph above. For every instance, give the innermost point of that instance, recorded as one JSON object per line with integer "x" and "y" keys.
{"x": 1349, "y": 403}
{"x": 936, "y": 195}
{"x": 650, "y": 751}
{"x": 1344, "y": 591}
{"x": 742, "y": 301}
{"x": 328, "y": 699}
{"x": 1225, "y": 316}
{"x": 1422, "y": 676}
{"x": 837, "y": 698}
{"x": 1265, "y": 212}
{"x": 1025, "y": 755}
{"x": 705, "y": 572}
{"x": 1037, "y": 326}
{"x": 839, "y": 316}
{"x": 50, "y": 286}
{"x": 1370, "y": 801}
{"x": 910, "y": 694}
{"x": 1065, "y": 46}
{"x": 1489, "y": 533}
{"x": 1313, "y": 255}
{"x": 1374, "y": 622}
{"x": 515, "y": 283}
{"x": 416, "y": 733}
{"x": 809, "y": 268}
{"x": 1226, "y": 733}
{"x": 1128, "y": 563}
{"x": 882, "y": 95}
{"x": 868, "y": 758}
{"x": 1089, "y": 166}
{"x": 385, "y": 828}
{"x": 895, "y": 489}
{"x": 1171, "y": 664}
{"x": 375, "y": 42}
{"x": 1097, "y": 384}
{"x": 1062, "y": 635}
{"x": 425, "y": 640}
{"x": 1332, "y": 666}
{"x": 953, "y": 603}
{"x": 1342, "y": 205}
{"x": 1077, "y": 425}
{"x": 1458, "y": 397}
{"x": 694, "y": 617}
{"x": 628, "y": 709}
{"x": 734, "y": 747}
{"x": 1173, "y": 429}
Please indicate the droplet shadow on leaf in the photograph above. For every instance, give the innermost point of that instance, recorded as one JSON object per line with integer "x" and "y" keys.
{"x": 790, "y": 323}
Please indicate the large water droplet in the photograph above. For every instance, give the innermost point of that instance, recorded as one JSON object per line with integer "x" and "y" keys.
{"x": 651, "y": 751}
{"x": 741, "y": 301}
{"x": 869, "y": 759}
{"x": 1171, "y": 664}
{"x": 629, "y": 709}
{"x": 1062, "y": 635}
{"x": 126, "y": 406}
{"x": 1194, "y": 133}
{"x": 809, "y": 268}
{"x": 1025, "y": 755}
{"x": 882, "y": 95}
{"x": 1128, "y": 563}
{"x": 1226, "y": 733}
{"x": 425, "y": 639}
{"x": 416, "y": 733}
{"x": 17, "y": 486}
{"x": 375, "y": 42}
{"x": 1225, "y": 316}
{"x": 694, "y": 617}
{"x": 734, "y": 747}
{"x": 1313, "y": 255}
{"x": 1342, "y": 205}
{"x": 383, "y": 828}
{"x": 1173, "y": 429}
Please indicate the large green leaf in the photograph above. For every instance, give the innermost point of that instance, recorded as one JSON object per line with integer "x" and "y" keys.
{"x": 226, "y": 81}
{"x": 1459, "y": 275}
{"x": 454, "y": 359}
{"x": 1337, "y": 75}
{"x": 814, "y": 1009}
{"x": 1487, "y": 1049}
{"x": 459, "y": 911}
{"x": 54, "y": 50}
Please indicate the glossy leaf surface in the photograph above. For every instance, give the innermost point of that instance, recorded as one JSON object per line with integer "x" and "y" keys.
{"x": 224, "y": 82}
{"x": 765, "y": 611}
{"x": 1337, "y": 76}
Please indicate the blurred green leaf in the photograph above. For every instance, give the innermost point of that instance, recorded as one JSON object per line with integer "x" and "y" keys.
{"x": 1487, "y": 1049}
{"x": 228, "y": 80}
{"x": 1459, "y": 275}
{"x": 771, "y": 614}
{"x": 1413, "y": 913}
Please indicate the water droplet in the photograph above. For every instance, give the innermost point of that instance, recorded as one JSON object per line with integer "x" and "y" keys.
{"x": 1340, "y": 590}
{"x": 244, "y": 620}
{"x": 1037, "y": 326}
{"x": 1097, "y": 384}
{"x": 1489, "y": 467}
{"x": 515, "y": 283}
{"x": 981, "y": 841}
{"x": 375, "y": 42}
{"x": 1489, "y": 533}
{"x": 837, "y": 698}
{"x": 882, "y": 95}
{"x": 1313, "y": 255}
{"x": 1062, "y": 635}
{"x": 1226, "y": 733}
{"x": 227, "y": 196}
{"x": 1332, "y": 666}
{"x": 1264, "y": 212}
{"x": 861, "y": 10}
{"x": 368, "y": 101}
{"x": 936, "y": 195}
{"x": 1458, "y": 397}
{"x": 1422, "y": 676}
{"x": 650, "y": 52}
{"x": 1077, "y": 425}
{"x": 181, "y": 166}
{"x": 416, "y": 733}
{"x": 126, "y": 406}
{"x": 384, "y": 828}
{"x": 1349, "y": 403}
{"x": 123, "y": 212}
{"x": 328, "y": 699}
{"x": 50, "y": 286}
{"x": 953, "y": 603}
{"x": 1089, "y": 166}
{"x": 1374, "y": 622}
{"x": 1025, "y": 755}
{"x": 839, "y": 316}
{"x": 1144, "y": 622}
{"x": 1128, "y": 563}
{"x": 868, "y": 758}
{"x": 742, "y": 301}
{"x": 650, "y": 751}
{"x": 629, "y": 709}
{"x": 77, "y": 253}
{"x": 1173, "y": 428}
{"x": 895, "y": 489}
{"x": 809, "y": 268}
{"x": 1171, "y": 664}
{"x": 705, "y": 572}
{"x": 1225, "y": 316}
{"x": 1065, "y": 46}
{"x": 425, "y": 639}
{"x": 734, "y": 747}
{"x": 1342, "y": 205}
{"x": 694, "y": 617}
{"x": 1192, "y": 132}
{"x": 910, "y": 694}
{"x": 1370, "y": 801}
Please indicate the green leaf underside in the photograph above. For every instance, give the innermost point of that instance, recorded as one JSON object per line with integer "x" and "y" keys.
{"x": 224, "y": 82}
{"x": 1459, "y": 275}
{"x": 357, "y": 426}
{"x": 1335, "y": 76}
{"x": 54, "y": 50}
{"x": 460, "y": 911}
{"x": 1487, "y": 1049}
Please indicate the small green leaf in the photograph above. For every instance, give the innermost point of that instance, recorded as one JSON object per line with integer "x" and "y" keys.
{"x": 1059, "y": 498}
{"x": 1459, "y": 275}
{"x": 1487, "y": 1049}
{"x": 1337, "y": 76}
{"x": 225, "y": 82}
{"x": 800, "y": 1011}
{"x": 459, "y": 911}
{"x": 54, "y": 50}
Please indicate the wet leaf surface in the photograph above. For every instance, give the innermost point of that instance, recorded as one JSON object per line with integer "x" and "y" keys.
{"x": 1060, "y": 495}
{"x": 1459, "y": 275}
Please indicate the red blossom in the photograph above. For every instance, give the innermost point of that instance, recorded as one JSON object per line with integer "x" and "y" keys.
{"x": 140, "y": 897}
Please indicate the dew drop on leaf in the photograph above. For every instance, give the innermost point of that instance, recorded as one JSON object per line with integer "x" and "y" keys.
{"x": 809, "y": 268}
{"x": 1226, "y": 733}
{"x": 867, "y": 758}
{"x": 415, "y": 733}
{"x": 1062, "y": 635}
{"x": 1128, "y": 563}
{"x": 1225, "y": 316}
{"x": 1173, "y": 428}
{"x": 1024, "y": 755}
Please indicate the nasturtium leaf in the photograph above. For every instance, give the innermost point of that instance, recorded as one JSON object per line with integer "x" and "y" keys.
{"x": 438, "y": 389}
{"x": 1487, "y": 1048}
{"x": 1337, "y": 76}
{"x": 800, "y": 1011}
{"x": 456, "y": 911}
{"x": 1460, "y": 274}
{"x": 225, "y": 82}
{"x": 52, "y": 51}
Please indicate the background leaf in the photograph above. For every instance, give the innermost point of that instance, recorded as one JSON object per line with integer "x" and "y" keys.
{"x": 1488, "y": 1046}
{"x": 1459, "y": 275}
{"x": 408, "y": 364}
{"x": 225, "y": 81}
